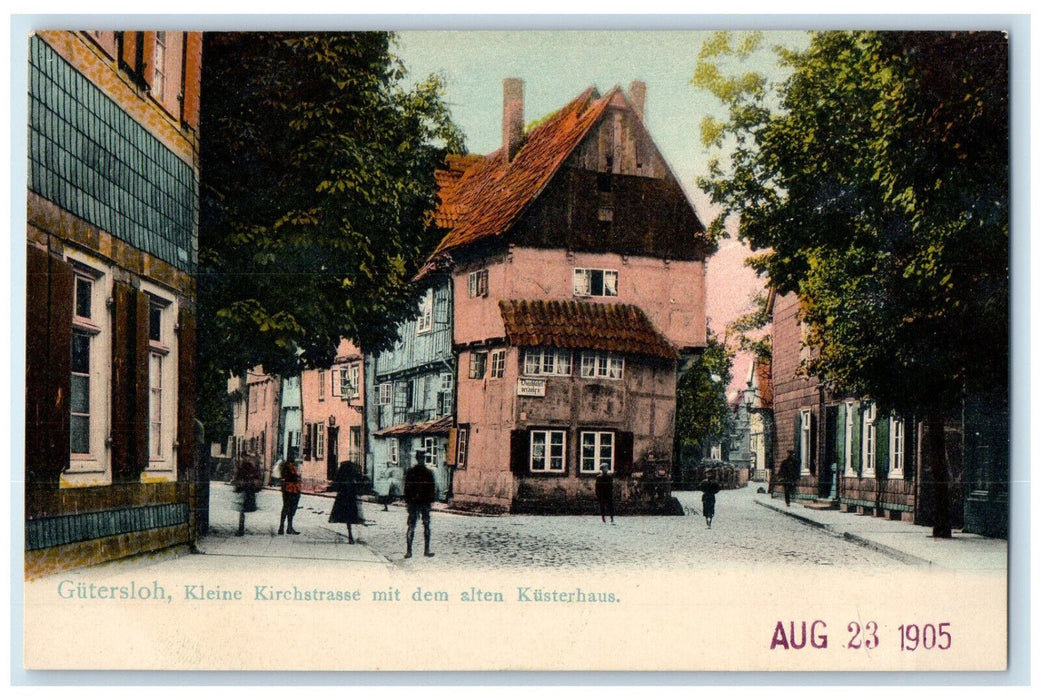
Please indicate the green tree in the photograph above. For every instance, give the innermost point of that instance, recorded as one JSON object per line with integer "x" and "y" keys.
{"x": 702, "y": 414}
{"x": 875, "y": 178}
{"x": 317, "y": 195}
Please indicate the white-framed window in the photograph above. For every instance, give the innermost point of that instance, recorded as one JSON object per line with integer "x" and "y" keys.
{"x": 848, "y": 439}
{"x": 462, "y": 446}
{"x": 349, "y": 381}
{"x": 867, "y": 437}
{"x": 896, "y": 447}
{"x": 805, "y": 440}
{"x": 595, "y": 283}
{"x": 603, "y": 365}
{"x": 159, "y": 77}
{"x": 547, "y": 361}
{"x": 477, "y": 283}
{"x": 430, "y": 451}
{"x": 597, "y": 448}
{"x": 444, "y": 394}
{"x": 89, "y": 370}
{"x": 498, "y": 363}
{"x": 384, "y": 392}
{"x": 392, "y": 451}
{"x": 716, "y": 452}
{"x": 319, "y": 441}
{"x": 478, "y": 363}
{"x": 547, "y": 450}
{"x": 425, "y": 322}
{"x": 162, "y": 381}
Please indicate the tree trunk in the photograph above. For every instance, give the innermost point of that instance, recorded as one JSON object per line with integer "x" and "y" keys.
{"x": 933, "y": 460}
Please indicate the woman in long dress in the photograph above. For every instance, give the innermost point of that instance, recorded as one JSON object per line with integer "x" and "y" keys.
{"x": 346, "y": 508}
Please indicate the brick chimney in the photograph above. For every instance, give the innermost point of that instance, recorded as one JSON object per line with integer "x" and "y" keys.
{"x": 512, "y": 115}
{"x": 637, "y": 96}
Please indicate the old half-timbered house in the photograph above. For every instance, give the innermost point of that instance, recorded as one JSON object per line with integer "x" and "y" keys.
{"x": 412, "y": 393}
{"x": 578, "y": 281}
{"x": 112, "y": 236}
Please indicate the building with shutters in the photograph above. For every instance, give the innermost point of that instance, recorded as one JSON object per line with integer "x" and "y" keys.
{"x": 578, "y": 284}
{"x": 411, "y": 399}
{"x": 112, "y": 235}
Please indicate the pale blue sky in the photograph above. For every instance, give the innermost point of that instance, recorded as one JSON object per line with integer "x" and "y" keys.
{"x": 557, "y": 66}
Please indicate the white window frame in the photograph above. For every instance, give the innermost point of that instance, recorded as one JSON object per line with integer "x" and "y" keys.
{"x": 162, "y": 354}
{"x": 553, "y": 456}
{"x": 425, "y": 322}
{"x": 868, "y": 438}
{"x": 97, "y": 329}
{"x": 477, "y": 283}
{"x": 497, "y": 363}
{"x": 602, "y": 365}
{"x": 350, "y": 381}
{"x": 319, "y": 440}
{"x": 478, "y": 364}
{"x": 595, "y": 282}
{"x": 805, "y": 441}
{"x": 392, "y": 452}
{"x": 321, "y": 385}
{"x": 897, "y": 445}
{"x": 848, "y": 439}
{"x": 444, "y": 394}
{"x": 462, "y": 446}
{"x": 547, "y": 362}
{"x": 430, "y": 450}
{"x": 159, "y": 71}
{"x": 384, "y": 393}
{"x": 602, "y": 444}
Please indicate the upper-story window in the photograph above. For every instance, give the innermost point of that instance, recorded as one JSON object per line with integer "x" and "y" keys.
{"x": 604, "y": 365}
{"x": 595, "y": 283}
{"x": 498, "y": 363}
{"x": 478, "y": 364}
{"x": 383, "y": 393}
{"x": 547, "y": 361}
{"x": 159, "y": 77}
{"x": 444, "y": 394}
{"x": 321, "y": 385}
{"x": 349, "y": 381}
{"x": 477, "y": 283}
{"x": 425, "y": 322}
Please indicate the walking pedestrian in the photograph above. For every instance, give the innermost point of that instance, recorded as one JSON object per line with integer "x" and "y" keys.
{"x": 346, "y": 508}
{"x": 419, "y": 496}
{"x": 246, "y": 482}
{"x": 790, "y": 476}
{"x": 709, "y": 488}
{"x": 605, "y": 492}
{"x": 290, "y": 476}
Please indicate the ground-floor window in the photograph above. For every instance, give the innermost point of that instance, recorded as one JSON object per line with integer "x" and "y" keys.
{"x": 597, "y": 450}
{"x": 805, "y": 440}
{"x": 547, "y": 450}
{"x": 869, "y": 447}
{"x": 461, "y": 446}
{"x": 896, "y": 448}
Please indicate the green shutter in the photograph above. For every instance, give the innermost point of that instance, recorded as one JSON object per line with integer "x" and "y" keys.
{"x": 881, "y": 447}
{"x": 855, "y": 442}
{"x": 797, "y": 438}
{"x": 840, "y": 439}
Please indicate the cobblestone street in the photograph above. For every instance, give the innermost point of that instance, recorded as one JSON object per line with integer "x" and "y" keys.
{"x": 743, "y": 534}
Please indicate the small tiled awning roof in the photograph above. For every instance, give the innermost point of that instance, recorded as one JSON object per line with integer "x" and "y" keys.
{"x": 583, "y": 325}
{"x": 438, "y": 426}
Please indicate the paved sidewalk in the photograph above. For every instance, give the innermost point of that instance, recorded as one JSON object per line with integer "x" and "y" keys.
{"x": 913, "y": 544}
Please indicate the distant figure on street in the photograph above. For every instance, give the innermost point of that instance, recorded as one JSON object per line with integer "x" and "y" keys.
{"x": 709, "y": 488}
{"x": 605, "y": 492}
{"x": 246, "y": 482}
{"x": 388, "y": 489}
{"x": 346, "y": 508}
{"x": 790, "y": 476}
{"x": 419, "y": 496}
{"x": 290, "y": 476}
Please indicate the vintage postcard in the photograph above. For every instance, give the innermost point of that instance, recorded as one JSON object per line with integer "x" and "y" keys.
{"x": 542, "y": 350}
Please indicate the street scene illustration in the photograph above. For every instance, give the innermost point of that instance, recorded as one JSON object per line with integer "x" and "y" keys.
{"x": 508, "y": 301}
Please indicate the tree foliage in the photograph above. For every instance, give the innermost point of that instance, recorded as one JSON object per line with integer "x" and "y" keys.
{"x": 875, "y": 178}
{"x": 701, "y": 401}
{"x": 317, "y": 190}
{"x": 749, "y": 330}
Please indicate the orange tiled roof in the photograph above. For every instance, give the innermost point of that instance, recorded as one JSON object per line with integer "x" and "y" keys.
{"x": 438, "y": 426}
{"x": 574, "y": 324}
{"x": 482, "y": 196}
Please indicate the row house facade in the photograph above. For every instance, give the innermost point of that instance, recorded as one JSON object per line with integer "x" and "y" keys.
{"x": 578, "y": 280}
{"x": 112, "y": 237}
{"x": 855, "y": 457}
{"x": 410, "y": 405}
{"x": 256, "y": 400}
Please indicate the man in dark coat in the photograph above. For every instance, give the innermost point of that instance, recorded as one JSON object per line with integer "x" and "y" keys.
{"x": 419, "y": 495}
{"x": 789, "y": 475}
{"x": 605, "y": 492}
{"x": 345, "y": 507}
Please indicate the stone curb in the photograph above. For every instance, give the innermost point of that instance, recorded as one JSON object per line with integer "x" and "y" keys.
{"x": 897, "y": 554}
